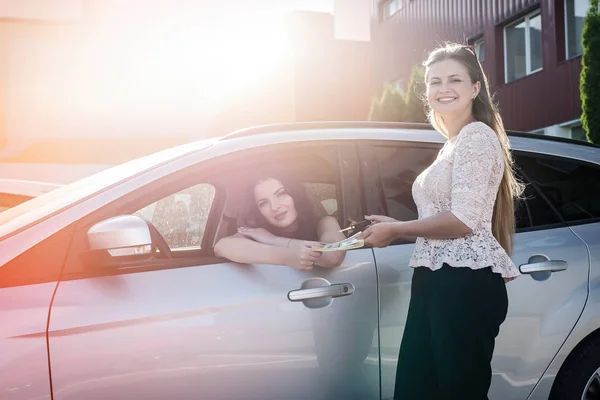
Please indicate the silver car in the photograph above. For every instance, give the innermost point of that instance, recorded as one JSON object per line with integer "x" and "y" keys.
{"x": 16, "y": 191}
{"x": 109, "y": 288}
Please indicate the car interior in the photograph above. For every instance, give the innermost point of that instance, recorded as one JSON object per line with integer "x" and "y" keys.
{"x": 316, "y": 173}
{"x": 214, "y": 206}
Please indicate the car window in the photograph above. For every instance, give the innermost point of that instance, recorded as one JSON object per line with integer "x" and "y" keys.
{"x": 532, "y": 210}
{"x": 572, "y": 188}
{"x": 399, "y": 167}
{"x": 322, "y": 197}
{"x": 181, "y": 217}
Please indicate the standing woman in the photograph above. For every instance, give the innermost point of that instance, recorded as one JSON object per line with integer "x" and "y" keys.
{"x": 463, "y": 238}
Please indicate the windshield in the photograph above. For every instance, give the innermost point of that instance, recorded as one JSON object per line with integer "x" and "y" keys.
{"x": 44, "y": 205}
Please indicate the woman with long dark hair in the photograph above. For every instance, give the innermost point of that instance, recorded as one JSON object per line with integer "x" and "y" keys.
{"x": 281, "y": 227}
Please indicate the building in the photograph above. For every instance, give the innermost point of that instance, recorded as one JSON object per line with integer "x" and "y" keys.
{"x": 86, "y": 84}
{"x": 530, "y": 50}
{"x": 316, "y": 83}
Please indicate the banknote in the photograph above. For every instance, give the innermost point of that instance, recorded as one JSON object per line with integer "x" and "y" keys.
{"x": 353, "y": 242}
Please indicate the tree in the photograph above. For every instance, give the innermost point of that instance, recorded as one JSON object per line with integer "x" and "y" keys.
{"x": 391, "y": 106}
{"x": 375, "y": 111}
{"x": 415, "y": 96}
{"x": 589, "y": 84}
{"x": 395, "y": 106}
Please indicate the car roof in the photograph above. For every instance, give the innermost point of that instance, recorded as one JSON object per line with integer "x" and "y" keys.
{"x": 379, "y": 125}
{"x": 392, "y": 131}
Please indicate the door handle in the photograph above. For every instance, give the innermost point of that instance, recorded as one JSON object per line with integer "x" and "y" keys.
{"x": 543, "y": 266}
{"x": 335, "y": 290}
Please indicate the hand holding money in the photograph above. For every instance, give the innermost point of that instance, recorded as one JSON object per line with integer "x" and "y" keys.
{"x": 353, "y": 242}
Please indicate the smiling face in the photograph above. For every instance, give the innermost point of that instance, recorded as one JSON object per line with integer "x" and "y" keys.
{"x": 450, "y": 92}
{"x": 275, "y": 204}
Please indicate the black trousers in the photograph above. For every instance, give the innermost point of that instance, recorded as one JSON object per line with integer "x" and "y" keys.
{"x": 453, "y": 319}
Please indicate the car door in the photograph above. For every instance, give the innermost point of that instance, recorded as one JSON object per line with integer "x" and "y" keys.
{"x": 572, "y": 188}
{"x": 200, "y": 327}
{"x": 27, "y": 283}
{"x": 544, "y": 304}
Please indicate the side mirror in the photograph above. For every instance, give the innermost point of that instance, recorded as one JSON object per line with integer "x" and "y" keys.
{"x": 119, "y": 240}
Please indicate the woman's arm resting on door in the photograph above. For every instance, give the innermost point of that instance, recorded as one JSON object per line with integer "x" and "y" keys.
{"x": 328, "y": 231}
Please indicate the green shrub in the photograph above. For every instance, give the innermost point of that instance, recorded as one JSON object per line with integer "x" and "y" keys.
{"x": 589, "y": 84}
{"x": 395, "y": 106}
{"x": 415, "y": 96}
{"x": 391, "y": 106}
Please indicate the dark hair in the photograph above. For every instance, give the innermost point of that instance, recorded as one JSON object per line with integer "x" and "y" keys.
{"x": 307, "y": 219}
{"x": 485, "y": 110}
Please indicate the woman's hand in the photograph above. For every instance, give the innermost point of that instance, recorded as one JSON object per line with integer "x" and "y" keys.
{"x": 376, "y": 219}
{"x": 260, "y": 235}
{"x": 380, "y": 234}
{"x": 301, "y": 257}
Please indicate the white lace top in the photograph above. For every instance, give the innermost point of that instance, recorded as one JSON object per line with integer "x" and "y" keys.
{"x": 464, "y": 179}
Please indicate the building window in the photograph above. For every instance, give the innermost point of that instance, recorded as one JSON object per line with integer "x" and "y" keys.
{"x": 480, "y": 49}
{"x": 575, "y": 11}
{"x": 523, "y": 47}
{"x": 390, "y": 7}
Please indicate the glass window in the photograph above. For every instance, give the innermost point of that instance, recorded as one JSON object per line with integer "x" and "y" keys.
{"x": 523, "y": 47}
{"x": 535, "y": 43}
{"x": 480, "y": 49}
{"x": 533, "y": 211}
{"x": 516, "y": 66}
{"x": 575, "y": 11}
{"x": 391, "y": 7}
{"x": 181, "y": 217}
{"x": 572, "y": 188}
{"x": 399, "y": 167}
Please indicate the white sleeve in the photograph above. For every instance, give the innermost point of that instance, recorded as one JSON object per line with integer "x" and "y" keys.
{"x": 475, "y": 161}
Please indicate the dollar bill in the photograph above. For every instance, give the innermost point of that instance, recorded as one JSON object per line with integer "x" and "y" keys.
{"x": 353, "y": 242}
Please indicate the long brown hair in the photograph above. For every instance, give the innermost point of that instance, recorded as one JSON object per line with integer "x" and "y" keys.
{"x": 485, "y": 110}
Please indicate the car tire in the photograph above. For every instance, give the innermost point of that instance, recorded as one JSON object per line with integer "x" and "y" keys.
{"x": 580, "y": 374}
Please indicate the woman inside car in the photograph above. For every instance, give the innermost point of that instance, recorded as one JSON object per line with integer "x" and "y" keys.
{"x": 281, "y": 228}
